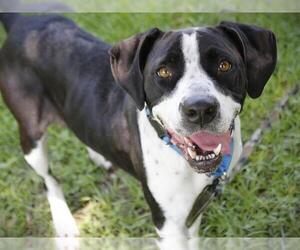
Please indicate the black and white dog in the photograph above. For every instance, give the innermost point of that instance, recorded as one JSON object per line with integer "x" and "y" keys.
{"x": 184, "y": 88}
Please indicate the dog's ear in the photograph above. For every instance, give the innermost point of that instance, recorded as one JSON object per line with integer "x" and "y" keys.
{"x": 128, "y": 59}
{"x": 258, "y": 49}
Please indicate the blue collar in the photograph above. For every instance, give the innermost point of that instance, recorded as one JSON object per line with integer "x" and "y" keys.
{"x": 223, "y": 167}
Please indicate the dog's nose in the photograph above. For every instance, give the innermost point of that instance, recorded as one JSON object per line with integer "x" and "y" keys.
{"x": 201, "y": 110}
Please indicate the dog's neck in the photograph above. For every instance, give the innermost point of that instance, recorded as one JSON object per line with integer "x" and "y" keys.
{"x": 171, "y": 181}
{"x": 163, "y": 164}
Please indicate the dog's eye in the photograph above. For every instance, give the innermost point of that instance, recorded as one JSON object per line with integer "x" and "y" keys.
{"x": 224, "y": 66}
{"x": 164, "y": 72}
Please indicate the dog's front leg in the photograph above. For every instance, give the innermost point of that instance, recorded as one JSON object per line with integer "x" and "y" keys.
{"x": 171, "y": 229}
{"x": 178, "y": 237}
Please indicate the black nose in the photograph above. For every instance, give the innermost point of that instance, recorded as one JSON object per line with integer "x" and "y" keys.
{"x": 201, "y": 110}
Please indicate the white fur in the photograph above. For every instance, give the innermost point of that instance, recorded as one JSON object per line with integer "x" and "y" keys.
{"x": 172, "y": 182}
{"x": 64, "y": 223}
{"x": 194, "y": 81}
{"x": 98, "y": 159}
{"x": 68, "y": 243}
{"x": 174, "y": 185}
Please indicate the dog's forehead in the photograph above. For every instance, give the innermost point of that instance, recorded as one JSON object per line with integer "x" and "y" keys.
{"x": 206, "y": 37}
{"x": 172, "y": 42}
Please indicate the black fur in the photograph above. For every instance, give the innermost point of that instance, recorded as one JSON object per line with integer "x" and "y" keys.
{"x": 8, "y": 19}
{"x": 63, "y": 73}
{"x": 258, "y": 49}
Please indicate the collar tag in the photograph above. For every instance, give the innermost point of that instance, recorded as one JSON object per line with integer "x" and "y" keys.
{"x": 202, "y": 202}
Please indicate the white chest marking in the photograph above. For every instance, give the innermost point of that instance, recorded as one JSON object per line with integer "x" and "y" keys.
{"x": 172, "y": 182}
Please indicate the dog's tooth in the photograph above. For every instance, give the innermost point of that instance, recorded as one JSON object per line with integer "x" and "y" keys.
{"x": 213, "y": 155}
{"x": 217, "y": 150}
{"x": 198, "y": 158}
{"x": 192, "y": 153}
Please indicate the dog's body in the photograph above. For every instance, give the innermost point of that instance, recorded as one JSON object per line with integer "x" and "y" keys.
{"x": 53, "y": 71}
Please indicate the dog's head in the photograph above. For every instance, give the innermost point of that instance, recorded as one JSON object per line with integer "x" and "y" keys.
{"x": 195, "y": 81}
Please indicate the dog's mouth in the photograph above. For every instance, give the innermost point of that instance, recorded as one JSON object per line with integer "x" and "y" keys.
{"x": 203, "y": 150}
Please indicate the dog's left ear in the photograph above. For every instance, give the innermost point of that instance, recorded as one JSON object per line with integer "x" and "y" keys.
{"x": 258, "y": 49}
{"x": 128, "y": 59}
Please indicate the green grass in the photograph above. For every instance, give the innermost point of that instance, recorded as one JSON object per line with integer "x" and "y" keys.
{"x": 179, "y": 6}
{"x": 262, "y": 201}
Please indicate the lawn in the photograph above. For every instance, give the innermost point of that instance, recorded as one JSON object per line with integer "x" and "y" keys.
{"x": 262, "y": 201}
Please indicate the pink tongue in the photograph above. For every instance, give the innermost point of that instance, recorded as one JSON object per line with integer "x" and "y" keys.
{"x": 208, "y": 142}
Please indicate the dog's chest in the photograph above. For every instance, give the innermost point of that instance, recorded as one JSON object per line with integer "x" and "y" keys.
{"x": 173, "y": 183}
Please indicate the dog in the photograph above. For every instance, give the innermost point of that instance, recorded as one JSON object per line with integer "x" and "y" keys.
{"x": 162, "y": 106}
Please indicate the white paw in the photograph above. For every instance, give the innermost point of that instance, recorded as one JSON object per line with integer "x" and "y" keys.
{"x": 67, "y": 229}
{"x": 98, "y": 159}
{"x": 67, "y": 243}
{"x": 63, "y": 221}
{"x": 173, "y": 243}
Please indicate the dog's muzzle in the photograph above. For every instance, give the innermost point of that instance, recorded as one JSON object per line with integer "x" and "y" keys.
{"x": 204, "y": 151}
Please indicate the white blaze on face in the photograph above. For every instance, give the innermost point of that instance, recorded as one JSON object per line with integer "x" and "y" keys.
{"x": 194, "y": 82}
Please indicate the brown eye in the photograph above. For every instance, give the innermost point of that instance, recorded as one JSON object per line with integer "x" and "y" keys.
{"x": 164, "y": 73}
{"x": 224, "y": 66}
